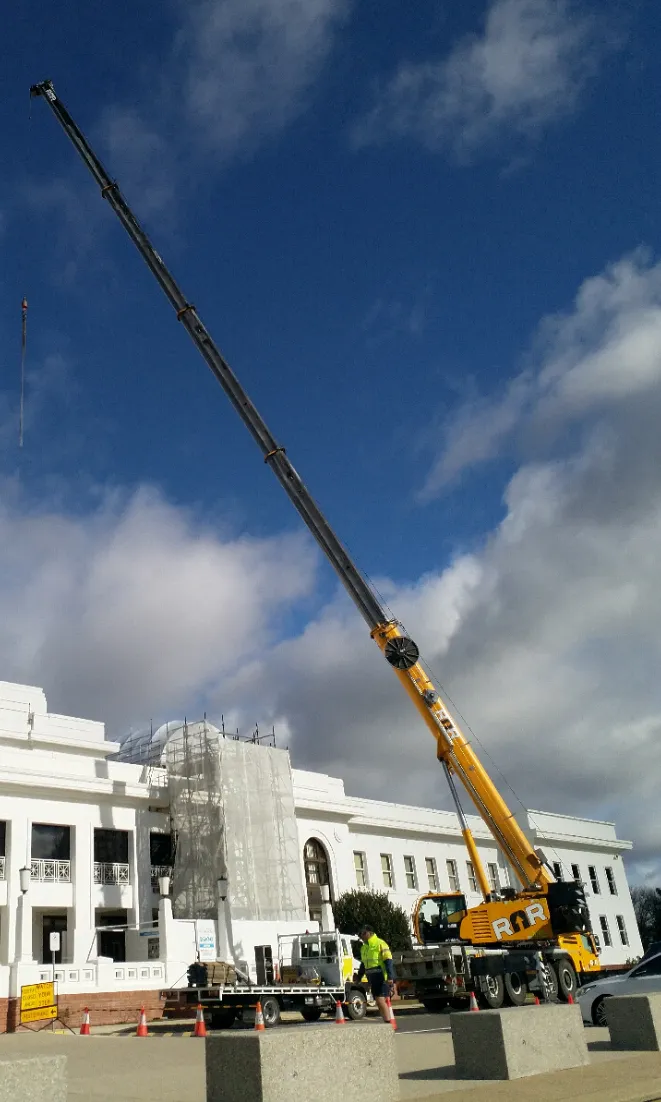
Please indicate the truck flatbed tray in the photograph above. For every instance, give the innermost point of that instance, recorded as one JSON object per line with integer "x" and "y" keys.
{"x": 217, "y": 993}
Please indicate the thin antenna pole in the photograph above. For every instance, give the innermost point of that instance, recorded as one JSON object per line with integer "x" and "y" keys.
{"x": 24, "y": 339}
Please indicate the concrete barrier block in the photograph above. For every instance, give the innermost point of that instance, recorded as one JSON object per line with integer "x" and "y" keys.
{"x": 43, "y": 1079}
{"x": 508, "y": 1044}
{"x": 634, "y": 1022}
{"x": 306, "y": 1063}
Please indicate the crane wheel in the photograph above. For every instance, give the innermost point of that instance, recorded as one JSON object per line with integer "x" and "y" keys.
{"x": 491, "y": 995}
{"x": 567, "y": 983}
{"x": 516, "y": 988}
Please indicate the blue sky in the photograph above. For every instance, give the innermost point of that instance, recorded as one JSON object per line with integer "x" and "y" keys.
{"x": 413, "y": 233}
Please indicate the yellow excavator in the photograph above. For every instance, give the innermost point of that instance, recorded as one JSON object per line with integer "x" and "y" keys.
{"x": 543, "y": 914}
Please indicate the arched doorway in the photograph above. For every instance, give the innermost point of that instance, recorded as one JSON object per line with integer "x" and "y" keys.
{"x": 317, "y": 878}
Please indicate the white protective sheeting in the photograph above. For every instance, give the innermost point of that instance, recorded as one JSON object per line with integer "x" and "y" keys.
{"x": 232, "y": 806}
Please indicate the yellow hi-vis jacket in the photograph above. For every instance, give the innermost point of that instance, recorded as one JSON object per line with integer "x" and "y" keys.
{"x": 374, "y": 953}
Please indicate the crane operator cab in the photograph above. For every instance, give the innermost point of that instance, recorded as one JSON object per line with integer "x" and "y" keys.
{"x": 438, "y": 917}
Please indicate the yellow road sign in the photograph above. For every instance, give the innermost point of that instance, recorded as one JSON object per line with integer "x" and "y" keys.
{"x": 39, "y": 1014}
{"x": 36, "y": 995}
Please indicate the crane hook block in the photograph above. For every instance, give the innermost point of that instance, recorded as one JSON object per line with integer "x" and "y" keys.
{"x": 401, "y": 652}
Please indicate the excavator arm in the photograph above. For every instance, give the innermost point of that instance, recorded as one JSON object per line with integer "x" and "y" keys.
{"x": 402, "y": 654}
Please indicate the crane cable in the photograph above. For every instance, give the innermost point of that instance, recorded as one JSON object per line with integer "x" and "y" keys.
{"x": 24, "y": 337}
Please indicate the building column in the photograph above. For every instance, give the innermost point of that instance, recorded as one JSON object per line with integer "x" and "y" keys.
{"x": 84, "y": 937}
{"x": 19, "y": 909}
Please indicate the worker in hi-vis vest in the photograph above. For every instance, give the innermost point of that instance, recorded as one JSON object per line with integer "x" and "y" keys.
{"x": 376, "y": 964}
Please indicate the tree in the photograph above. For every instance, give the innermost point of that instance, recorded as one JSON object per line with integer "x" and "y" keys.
{"x": 355, "y": 909}
{"x": 647, "y": 908}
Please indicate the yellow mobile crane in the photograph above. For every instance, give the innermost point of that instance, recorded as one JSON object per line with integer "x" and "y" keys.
{"x": 544, "y": 914}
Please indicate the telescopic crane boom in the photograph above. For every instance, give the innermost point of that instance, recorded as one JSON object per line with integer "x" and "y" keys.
{"x": 402, "y": 654}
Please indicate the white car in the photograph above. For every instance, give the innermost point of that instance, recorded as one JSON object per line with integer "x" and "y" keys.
{"x": 644, "y": 977}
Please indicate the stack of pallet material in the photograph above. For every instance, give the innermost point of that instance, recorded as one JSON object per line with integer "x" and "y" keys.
{"x": 219, "y": 972}
{"x": 292, "y": 974}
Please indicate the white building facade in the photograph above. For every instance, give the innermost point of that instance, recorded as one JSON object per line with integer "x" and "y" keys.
{"x": 94, "y": 834}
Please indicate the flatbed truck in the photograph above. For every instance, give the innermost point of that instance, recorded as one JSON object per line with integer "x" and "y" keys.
{"x": 327, "y": 956}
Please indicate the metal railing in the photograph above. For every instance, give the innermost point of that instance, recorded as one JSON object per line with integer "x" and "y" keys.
{"x": 55, "y": 872}
{"x": 110, "y": 872}
{"x": 2, "y": 868}
{"x": 159, "y": 870}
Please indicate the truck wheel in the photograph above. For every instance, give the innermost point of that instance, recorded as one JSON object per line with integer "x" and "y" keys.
{"x": 356, "y": 1005}
{"x": 434, "y": 1006}
{"x": 516, "y": 988}
{"x": 491, "y": 993}
{"x": 551, "y": 982}
{"x": 311, "y": 1013}
{"x": 271, "y": 1011}
{"x": 567, "y": 984}
{"x": 223, "y": 1019}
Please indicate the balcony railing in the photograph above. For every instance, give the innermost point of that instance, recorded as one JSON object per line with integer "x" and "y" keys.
{"x": 159, "y": 870}
{"x": 2, "y": 868}
{"x": 110, "y": 872}
{"x": 55, "y": 872}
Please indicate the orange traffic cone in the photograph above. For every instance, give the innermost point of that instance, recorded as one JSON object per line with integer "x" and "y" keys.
{"x": 570, "y": 999}
{"x": 537, "y": 1003}
{"x": 473, "y": 1002}
{"x": 393, "y": 1019}
{"x": 259, "y": 1018}
{"x": 339, "y": 1014}
{"x": 200, "y": 1024}
{"x": 142, "y": 1030}
{"x": 85, "y": 1027}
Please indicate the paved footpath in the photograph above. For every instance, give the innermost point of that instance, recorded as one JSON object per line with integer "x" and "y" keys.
{"x": 112, "y": 1068}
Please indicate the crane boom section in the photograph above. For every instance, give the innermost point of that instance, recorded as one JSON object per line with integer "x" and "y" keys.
{"x": 401, "y": 652}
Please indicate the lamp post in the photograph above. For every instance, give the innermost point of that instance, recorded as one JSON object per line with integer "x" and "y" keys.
{"x": 326, "y": 909}
{"x": 164, "y": 887}
{"x": 223, "y": 948}
{"x": 25, "y": 876}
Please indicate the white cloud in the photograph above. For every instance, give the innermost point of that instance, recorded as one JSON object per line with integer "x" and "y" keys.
{"x": 590, "y": 361}
{"x": 141, "y": 159}
{"x": 522, "y": 72}
{"x": 138, "y": 608}
{"x": 248, "y": 65}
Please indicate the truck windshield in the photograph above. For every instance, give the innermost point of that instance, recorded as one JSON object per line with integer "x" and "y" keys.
{"x": 439, "y": 912}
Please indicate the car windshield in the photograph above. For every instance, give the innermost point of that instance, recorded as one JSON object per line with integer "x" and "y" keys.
{"x": 650, "y": 967}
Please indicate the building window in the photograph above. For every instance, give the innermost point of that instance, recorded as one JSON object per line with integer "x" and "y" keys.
{"x": 576, "y": 872}
{"x": 111, "y": 856}
{"x": 557, "y": 870}
{"x": 317, "y": 877}
{"x": 453, "y": 875}
{"x": 624, "y": 937}
{"x": 494, "y": 881}
{"x": 316, "y": 863}
{"x": 592, "y": 873}
{"x": 603, "y": 921}
{"x": 51, "y": 853}
{"x": 360, "y": 865}
{"x": 472, "y": 879}
{"x": 161, "y": 856}
{"x": 432, "y": 875}
{"x": 411, "y": 875}
{"x": 610, "y": 877}
{"x": 386, "y": 869}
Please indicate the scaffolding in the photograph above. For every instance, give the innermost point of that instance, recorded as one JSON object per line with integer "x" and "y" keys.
{"x": 232, "y": 810}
